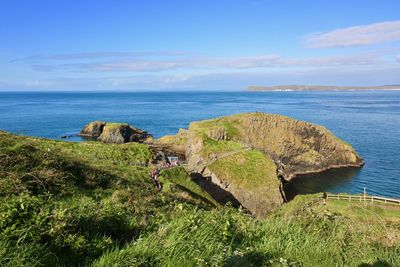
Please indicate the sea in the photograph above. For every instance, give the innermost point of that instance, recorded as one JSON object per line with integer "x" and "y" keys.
{"x": 368, "y": 120}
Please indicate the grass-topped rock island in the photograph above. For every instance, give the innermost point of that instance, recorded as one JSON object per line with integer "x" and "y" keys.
{"x": 93, "y": 203}
{"x": 251, "y": 155}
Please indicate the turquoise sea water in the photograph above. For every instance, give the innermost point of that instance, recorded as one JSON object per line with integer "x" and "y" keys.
{"x": 370, "y": 121}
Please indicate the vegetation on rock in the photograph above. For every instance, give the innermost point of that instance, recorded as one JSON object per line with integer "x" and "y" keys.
{"x": 258, "y": 151}
{"x": 93, "y": 129}
{"x": 114, "y": 132}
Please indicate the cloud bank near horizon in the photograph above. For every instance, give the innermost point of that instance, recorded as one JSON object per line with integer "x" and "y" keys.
{"x": 234, "y": 63}
{"x": 356, "y": 35}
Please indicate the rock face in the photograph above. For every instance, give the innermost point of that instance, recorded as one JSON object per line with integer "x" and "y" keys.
{"x": 298, "y": 147}
{"x": 116, "y": 133}
{"x": 249, "y": 155}
{"x": 93, "y": 129}
{"x": 175, "y": 142}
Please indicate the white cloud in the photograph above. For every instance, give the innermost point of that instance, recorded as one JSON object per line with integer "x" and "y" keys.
{"x": 356, "y": 35}
{"x": 255, "y": 62}
{"x": 100, "y": 55}
{"x": 38, "y": 83}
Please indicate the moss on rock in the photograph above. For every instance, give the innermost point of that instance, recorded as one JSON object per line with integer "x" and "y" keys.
{"x": 114, "y": 132}
{"x": 248, "y": 154}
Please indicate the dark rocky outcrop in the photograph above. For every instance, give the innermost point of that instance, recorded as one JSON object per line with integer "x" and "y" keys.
{"x": 116, "y": 133}
{"x": 250, "y": 155}
{"x": 93, "y": 129}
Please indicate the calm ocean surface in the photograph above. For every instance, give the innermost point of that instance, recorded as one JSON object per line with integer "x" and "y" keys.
{"x": 370, "y": 121}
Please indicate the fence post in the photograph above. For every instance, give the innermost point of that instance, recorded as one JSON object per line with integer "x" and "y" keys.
{"x": 365, "y": 193}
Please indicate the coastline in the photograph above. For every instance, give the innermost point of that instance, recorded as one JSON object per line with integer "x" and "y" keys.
{"x": 321, "y": 88}
{"x": 331, "y": 90}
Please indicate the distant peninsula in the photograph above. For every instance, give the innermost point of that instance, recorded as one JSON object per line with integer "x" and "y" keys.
{"x": 297, "y": 87}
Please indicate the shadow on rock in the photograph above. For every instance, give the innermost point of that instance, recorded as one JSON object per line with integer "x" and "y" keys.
{"x": 220, "y": 195}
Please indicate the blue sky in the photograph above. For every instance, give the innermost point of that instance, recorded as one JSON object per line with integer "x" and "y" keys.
{"x": 197, "y": 45}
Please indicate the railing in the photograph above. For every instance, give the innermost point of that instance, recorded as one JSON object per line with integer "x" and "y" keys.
{"x": 364, "y": 198}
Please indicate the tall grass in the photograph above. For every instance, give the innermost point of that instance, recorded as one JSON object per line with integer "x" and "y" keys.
{"x": 229, "y": 238}
{"x": 67, "y": 204}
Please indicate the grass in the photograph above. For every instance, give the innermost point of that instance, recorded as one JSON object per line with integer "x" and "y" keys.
{"x": 212, "y": 147}
{"x": 115, "y": 125}
{"x": 179, "y": 139}
{"x": 366, "y": 210}
{"x": 247, "y": 169}
{"x": 178, "y": 176}
{"x": 315, "y": 236}
{"x": 173, "y": 139}
{"x": 87, "y": 204}
{"x": 227, "y": 123}
{"x": 66, "y": 203}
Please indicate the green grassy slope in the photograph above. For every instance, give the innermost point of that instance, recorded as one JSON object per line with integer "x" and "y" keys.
{"x": 178, "y": 178}
{"x": 88, "y": 204}
{"x": 67, "y": 203}
{"x": 247, "y": 169}
{"x": 303, "y": 233}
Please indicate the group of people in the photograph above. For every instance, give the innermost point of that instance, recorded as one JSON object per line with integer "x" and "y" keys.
{"x": 155, "y": 172}
{"x": 172, "y": 163}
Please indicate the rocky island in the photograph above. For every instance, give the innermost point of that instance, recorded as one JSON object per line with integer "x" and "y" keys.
{"x": 111, "y": 132}
{"x": 252, "y": 155}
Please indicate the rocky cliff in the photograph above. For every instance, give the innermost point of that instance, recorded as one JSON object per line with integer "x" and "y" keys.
{"x": 249, "y": 155}
{"x": 93, "y": 129}
{"x": 116, "y": 133}
{"x": 176, "y": 142}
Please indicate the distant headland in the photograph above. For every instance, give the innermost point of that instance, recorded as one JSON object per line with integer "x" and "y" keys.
{"x": 297, "y": 87}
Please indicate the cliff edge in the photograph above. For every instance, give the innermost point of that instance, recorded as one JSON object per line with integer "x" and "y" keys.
{"x": 250, "y": 155}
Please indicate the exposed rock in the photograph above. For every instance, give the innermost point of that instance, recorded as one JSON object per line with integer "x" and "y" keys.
{"x": 254, "y": 184}
{"x": 67, "y": 136}
{"x": 93, "y": 129}
{"x": 116, "y": 133}
{"x": 299, "y": 147}
{"x": 176, "y": 142}
{"x": 160, "y": 158}
{"x": 250, "y": 154}
{"x": 218, "y": 134}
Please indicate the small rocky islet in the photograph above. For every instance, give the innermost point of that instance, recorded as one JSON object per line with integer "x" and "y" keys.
{"x": 115, "y": 133}
{"x": 249, "y": 157}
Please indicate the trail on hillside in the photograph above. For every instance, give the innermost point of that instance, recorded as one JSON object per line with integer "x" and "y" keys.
{"x": 222, "y": 156}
